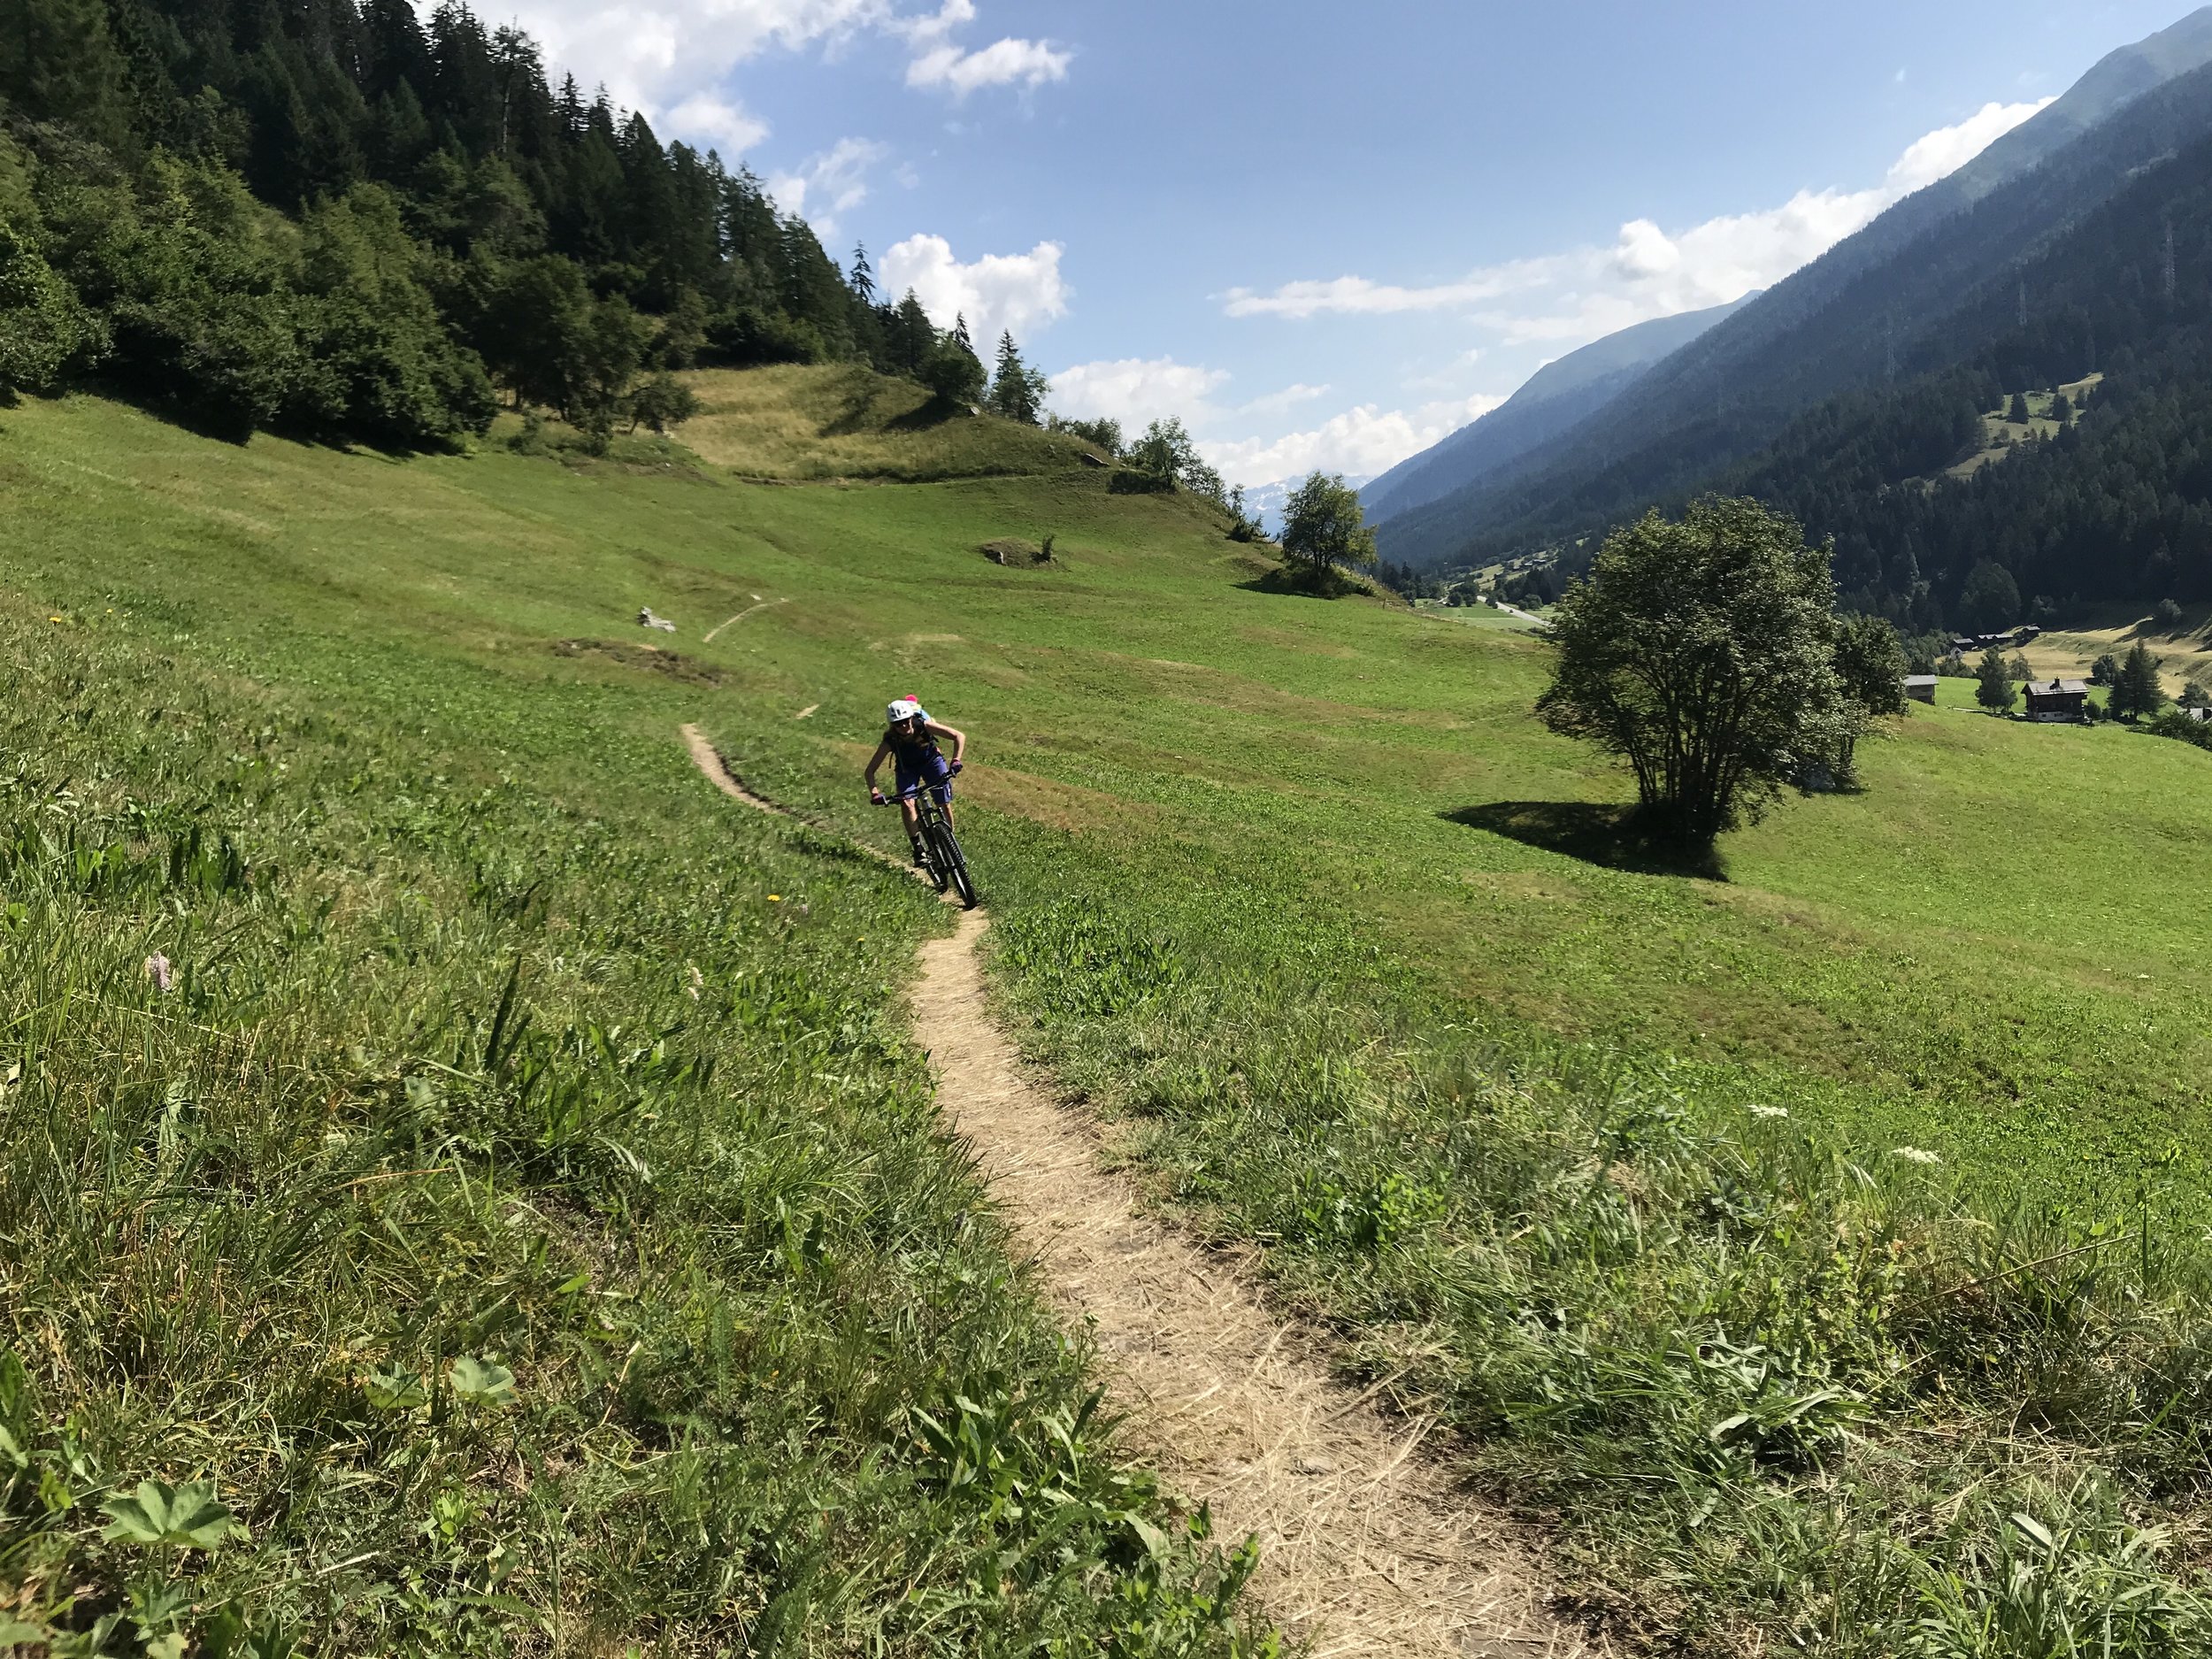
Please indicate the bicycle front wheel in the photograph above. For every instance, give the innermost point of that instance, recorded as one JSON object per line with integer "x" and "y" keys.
{"x": 956, "y": 866}
{"x": 934, "y": 852}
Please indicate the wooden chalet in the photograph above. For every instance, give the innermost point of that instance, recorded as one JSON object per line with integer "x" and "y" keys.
{"x": 2057, "y": 699}
{"x": 1920, "y": 687}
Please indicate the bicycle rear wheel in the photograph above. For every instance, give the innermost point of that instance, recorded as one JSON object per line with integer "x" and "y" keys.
{"x": 955, "y": 866}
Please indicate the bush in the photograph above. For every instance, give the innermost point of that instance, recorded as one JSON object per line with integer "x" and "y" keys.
{"x": 663, "y": 402}
{"x": 42, "y": 324}
{"x": 2167, "y": 615}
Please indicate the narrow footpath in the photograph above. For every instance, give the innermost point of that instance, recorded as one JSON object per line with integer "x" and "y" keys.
{"x": 1369, "y": 1545}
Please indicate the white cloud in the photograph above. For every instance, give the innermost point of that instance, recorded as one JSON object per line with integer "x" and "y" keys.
{"x": 1002, "y": 64}
{"x": 829, "y": 184}
{"x": 669, "y": 56}
{"x": 938, "y": 62}
{"x": 1136, "y": 390}
{"x": 671, "y": 59}
{"x": 1279, "y": 402}
{"x": 1359, "y": 442}
{"x": 1943, "y": 151}
{"x": 1020, "y": 293}
{"x": 1589, "y": 292}
{"x": 719, "y": 123}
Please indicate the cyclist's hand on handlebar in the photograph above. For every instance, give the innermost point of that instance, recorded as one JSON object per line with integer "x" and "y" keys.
{"x": 957, "y": 765}
{"x": 875, "y": 798}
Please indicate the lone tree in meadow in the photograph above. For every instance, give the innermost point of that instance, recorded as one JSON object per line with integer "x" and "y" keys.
{"x": 1997, "y": 691}
{"x": 1703, "y": 653}
{"x": 1870, "y": 665}
{"x": 1324, "y": 525}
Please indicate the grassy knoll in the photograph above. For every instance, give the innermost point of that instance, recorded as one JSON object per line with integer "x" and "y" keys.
{"x": 481, "y": 1179}
{"x": 830, "y": 422}
{"x": 1785, "y": 1235}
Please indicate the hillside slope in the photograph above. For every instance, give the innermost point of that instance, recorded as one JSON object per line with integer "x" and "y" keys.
{"x": 819, "y": 422}
{"x": 1298, "y": 893}
{"x": 1557, "y": 397}
{"x": 1845, "y": 322}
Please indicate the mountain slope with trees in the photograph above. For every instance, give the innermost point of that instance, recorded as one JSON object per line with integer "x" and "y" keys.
{"x": 331, "y": 219}
{"x": 1872, "y": 309}
{"x": 1557, "y": 397}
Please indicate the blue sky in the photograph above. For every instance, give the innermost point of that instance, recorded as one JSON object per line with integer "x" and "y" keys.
{"x": 1327, "y": 234}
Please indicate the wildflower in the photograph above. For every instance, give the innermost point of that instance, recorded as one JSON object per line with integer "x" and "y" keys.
{"x": 157, "y": 970}
{"x": 775, "y": 898}
{"x": 53, "y": 618}
{"x": 1914, "y": 1155}
{"x": 698, "y": 982}
{"x": 1769, "y": 1112}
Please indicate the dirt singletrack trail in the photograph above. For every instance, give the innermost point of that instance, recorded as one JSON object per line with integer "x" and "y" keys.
{"x": 1369, "y": 1545}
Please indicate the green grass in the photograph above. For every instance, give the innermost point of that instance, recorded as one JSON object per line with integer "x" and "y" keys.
{"x": 520, "y": 1215}
{"x": 1301, "y": 888}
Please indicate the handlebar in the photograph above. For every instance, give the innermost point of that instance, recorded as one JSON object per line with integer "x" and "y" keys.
{"x": 879, "y": 798}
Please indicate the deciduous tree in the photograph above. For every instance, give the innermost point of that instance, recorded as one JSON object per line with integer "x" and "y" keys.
{"x": 1702, "y": 653}
{"x": 1990, "y": 598}
{"x": 1324, "y": 525}
{"x": 1870, "y": 665}
{"x": 1997, "y": 691}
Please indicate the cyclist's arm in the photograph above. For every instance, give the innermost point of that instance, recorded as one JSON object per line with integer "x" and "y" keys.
{"x": 875, "y": 763}
{"x": 959, "y": 739}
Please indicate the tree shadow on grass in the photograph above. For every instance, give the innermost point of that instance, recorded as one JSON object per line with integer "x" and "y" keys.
{"x": 1611, "y": 836}
{"x": 1303, "y": 583}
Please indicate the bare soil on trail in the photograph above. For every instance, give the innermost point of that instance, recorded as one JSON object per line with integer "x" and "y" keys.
{"x": 1369, "y": 1544}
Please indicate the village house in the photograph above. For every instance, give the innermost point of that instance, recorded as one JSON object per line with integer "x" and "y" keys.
{"x": 2057, "y": 699}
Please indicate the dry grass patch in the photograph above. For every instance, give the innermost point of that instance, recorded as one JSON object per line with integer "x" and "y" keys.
{"x": 818, "y": 424}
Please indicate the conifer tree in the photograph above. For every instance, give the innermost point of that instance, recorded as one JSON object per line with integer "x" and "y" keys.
{"x": 2136, "y": 690}
{"x": 1017, "y": 391}
{"x": 58, "y": 63}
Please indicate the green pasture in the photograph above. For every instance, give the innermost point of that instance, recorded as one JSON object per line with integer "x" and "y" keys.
{"x": 1589, "y": 1156}
{"x": 1151, "y": 688}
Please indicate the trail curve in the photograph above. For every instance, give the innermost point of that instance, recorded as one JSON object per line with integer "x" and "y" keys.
{"x": 1370, "y": 1547}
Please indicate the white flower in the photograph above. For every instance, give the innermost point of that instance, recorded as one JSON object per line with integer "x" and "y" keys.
{"x": 1914, "y": 1155}
{"x": 157, "y": 970}
{"x": 1769, "y": 1112}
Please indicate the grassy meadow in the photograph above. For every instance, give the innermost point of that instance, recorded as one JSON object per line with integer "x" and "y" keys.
{"x": 1819, "y": 1248}
{"x": 467, "y": 1191}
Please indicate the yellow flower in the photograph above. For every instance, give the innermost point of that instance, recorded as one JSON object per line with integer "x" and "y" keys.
{"x": 775, "y": 898}
{"x": 53, "y": 618}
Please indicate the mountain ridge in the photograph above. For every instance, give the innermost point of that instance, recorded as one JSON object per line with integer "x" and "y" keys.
{"x": 1837, "y": 323}
{"x": 1564, "y": 392}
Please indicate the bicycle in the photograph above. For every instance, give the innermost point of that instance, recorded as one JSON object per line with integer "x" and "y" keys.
{"x": 942, "y": 861}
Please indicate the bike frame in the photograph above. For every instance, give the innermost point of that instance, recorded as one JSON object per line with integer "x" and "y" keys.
{"x": 935, "y": 826}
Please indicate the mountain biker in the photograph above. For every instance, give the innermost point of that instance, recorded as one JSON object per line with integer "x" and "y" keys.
{"x": 910, "y": 742}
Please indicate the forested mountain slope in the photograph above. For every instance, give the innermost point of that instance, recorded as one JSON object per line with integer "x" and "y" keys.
{"x": 1873, "y": 305}
{"x": 2114, "y": 505}
{"x": 327, "y": 219}
{"x": 1557, "y": 397}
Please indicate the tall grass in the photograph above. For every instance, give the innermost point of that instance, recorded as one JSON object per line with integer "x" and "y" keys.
{"x": 442, "y": 1216}
{"x": 1778, "y": 1395}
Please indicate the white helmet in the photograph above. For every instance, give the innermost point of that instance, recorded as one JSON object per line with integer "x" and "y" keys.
{"x": 904, "y": 710}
